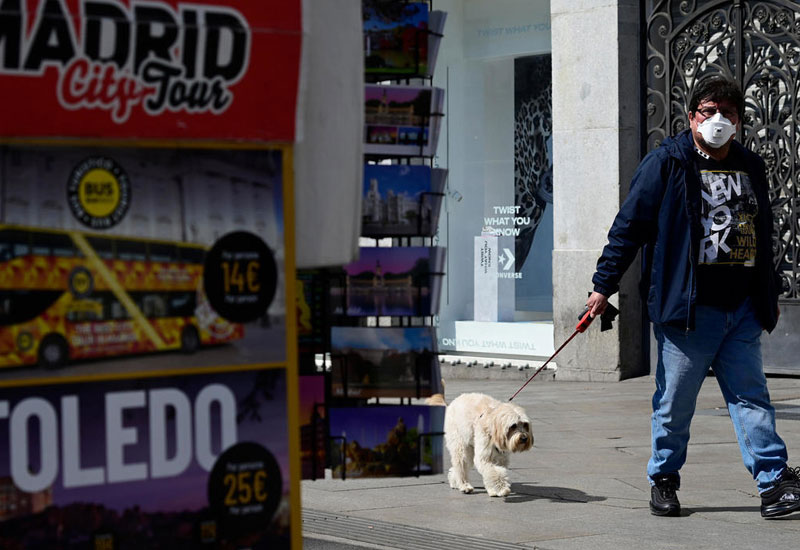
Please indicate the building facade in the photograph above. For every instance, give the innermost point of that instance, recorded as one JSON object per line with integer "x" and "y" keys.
{"x": 553, "y": 162}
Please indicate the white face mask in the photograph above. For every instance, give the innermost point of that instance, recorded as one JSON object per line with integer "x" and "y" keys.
{"x": 716, "y": 130}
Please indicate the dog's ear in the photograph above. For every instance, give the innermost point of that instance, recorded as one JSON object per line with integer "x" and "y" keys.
{"x": 496, "y": 428}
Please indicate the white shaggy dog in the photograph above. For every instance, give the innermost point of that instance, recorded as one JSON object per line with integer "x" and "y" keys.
{"x": 480, "y": 429}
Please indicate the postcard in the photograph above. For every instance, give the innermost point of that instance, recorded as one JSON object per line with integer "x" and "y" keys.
{"x": 402, "y": 120}
{"x": 395, "y": 38}
{"x": 383, "y": 362}
{"x": 397, "y": 281}
{"x": 386, "y": 441}
{"x": 401, "y": 200}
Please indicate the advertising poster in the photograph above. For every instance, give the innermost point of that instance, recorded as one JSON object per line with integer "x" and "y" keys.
{"x": 201, "y": 69}
{"x": 148, "y": 367}
{"x": 185, "y": 461}
{"x": 533, "y": 184}
{"x": 485, "y": 303}
{"x": 104, "y": 254}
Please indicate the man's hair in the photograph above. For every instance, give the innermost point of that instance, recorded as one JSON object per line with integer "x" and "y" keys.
{"x": 717, "y": 88}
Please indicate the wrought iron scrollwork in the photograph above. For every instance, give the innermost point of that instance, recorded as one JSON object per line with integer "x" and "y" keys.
{"x": 758, "y": 44}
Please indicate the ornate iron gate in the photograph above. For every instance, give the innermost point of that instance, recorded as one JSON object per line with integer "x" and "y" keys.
{"x": 758, "y": 44}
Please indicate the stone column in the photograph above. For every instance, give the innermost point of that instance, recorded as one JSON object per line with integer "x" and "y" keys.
{"x": 596, "y": 148}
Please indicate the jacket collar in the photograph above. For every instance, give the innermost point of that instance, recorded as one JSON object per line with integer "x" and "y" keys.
{"x": 681, "y": 146}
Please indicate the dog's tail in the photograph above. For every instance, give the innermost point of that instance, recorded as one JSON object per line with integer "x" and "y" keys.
{"x": 437, "y": 398}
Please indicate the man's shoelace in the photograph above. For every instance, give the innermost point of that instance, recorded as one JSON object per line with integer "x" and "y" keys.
{"x": 791, "y": 474}
{"x": 667, "y": 487}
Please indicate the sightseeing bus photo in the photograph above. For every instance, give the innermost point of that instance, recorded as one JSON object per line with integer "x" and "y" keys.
{"x": 104, "y": 254}
{"x": 68, "y": 295}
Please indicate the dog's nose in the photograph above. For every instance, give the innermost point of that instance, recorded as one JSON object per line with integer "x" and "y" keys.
{"x": 524, "y": 437}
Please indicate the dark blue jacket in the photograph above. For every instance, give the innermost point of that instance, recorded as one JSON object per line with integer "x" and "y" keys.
{"x": 662, "y": 214}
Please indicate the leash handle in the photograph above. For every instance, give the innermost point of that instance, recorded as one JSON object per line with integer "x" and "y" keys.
{"x": 585, "y": 320}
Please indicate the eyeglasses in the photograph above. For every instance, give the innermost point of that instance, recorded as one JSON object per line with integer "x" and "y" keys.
{"x": 730, "y": 114}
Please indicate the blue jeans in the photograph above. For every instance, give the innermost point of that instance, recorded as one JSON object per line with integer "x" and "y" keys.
{"x": 729, "y": 342}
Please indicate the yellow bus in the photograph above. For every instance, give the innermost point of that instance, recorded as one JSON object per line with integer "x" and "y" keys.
{"x": 68, "y": 295}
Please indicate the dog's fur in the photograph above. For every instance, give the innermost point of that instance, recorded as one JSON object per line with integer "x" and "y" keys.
{"x": 480, "y": 430}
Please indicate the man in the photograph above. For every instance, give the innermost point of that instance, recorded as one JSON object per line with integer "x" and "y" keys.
{"x": 698, "y": 204}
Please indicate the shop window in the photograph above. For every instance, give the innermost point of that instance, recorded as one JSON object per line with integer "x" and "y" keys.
{"x": 498, "y": 219}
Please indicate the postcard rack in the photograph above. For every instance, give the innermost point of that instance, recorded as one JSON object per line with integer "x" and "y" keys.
{"x": 420, "y": 214}
{"x": 344, "y": 389}
{"x": 315, "y": 314}
{"x": 317, "y": 423}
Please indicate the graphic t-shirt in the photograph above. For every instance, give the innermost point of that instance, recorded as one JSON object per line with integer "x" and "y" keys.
{"x": 727, "y": 250}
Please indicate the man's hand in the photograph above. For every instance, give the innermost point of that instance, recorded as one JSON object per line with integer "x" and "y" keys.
{"x": 597, "y": 304}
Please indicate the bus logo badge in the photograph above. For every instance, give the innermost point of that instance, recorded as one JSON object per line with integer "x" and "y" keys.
{"x": 24, "y": 341}
{"x": 98, "y": 192}
{"x": 80, "y": 282}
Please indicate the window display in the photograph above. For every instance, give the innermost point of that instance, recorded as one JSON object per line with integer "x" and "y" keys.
{"x": 497, "y": 221}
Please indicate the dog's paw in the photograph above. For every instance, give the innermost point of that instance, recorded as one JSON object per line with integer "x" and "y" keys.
{"x": 502, "y": 491}
{"x": 455, "y": 483}
{"x": 466, "y": 488}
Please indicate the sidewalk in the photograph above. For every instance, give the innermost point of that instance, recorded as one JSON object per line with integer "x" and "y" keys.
{"x": 582, "y": 486}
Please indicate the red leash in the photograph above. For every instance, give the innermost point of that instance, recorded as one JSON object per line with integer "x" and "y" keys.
{"x": 582, "y": 325}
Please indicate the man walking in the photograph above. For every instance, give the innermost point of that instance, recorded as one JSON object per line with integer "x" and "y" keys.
{"x": 698, "y": 205}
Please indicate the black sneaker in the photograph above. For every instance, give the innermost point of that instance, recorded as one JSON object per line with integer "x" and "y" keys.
{"x": 784, "y": 496}
{"x": 663, "y": 500}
